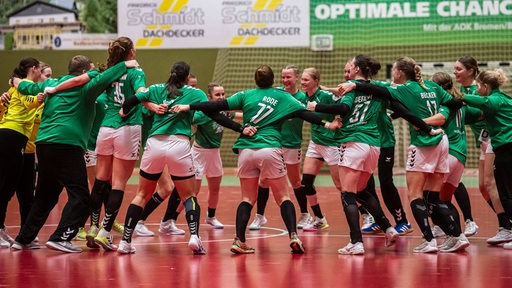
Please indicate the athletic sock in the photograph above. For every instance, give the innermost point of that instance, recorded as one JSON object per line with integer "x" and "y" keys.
{"x": 372, "y": 205}
{"x": 317, "y": 211}
{"x": 172, "y": 206}
{"x": 115, "y": 199}
{"x": 211, "y": 212}
{"x": 420, "y": 213}
{"x": 349, "y": 203}
{"x": 243, "y": 213}
{"x": 132, "y": 217}
{"x": 152, "y": 204}
{"x": 462, "y": 197}
{"x": 193, "y": 212}
{"x": 99, "y": 189}
{"x": 261, "y": 203}
{"x": 302, "y": 200}
{"x": 289, "y": 216}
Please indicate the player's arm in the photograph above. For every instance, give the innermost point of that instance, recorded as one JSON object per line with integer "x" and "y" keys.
{"x": 317, "y": 120}
{"x": 400, "y": 111}
{"x": 229, "y": 123}
{"x": 70, "y": 83}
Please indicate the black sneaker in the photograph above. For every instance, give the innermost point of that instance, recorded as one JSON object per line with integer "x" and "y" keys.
{"x": 64, "y": 246}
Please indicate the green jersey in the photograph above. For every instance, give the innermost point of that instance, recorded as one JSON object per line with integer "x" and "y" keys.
{"x": 99, "y": 114}
{"x": 319, "y": 135}
{"x": 267, "y": 109}
{"x": 291, "y": 131}
{"x": 68, "y": 115}
{"x": 455, "y": 131}
{"x": 172, "y": 123}
{"x": 360, "y": 124}
{"x": 422, "y": 103}
{"x": 478, "y": 126}
{"x": 497, "y": 108}
{"x": 209, "y": 133}
{"x": 117, "y": 93}
{"x": 386, "y": 129}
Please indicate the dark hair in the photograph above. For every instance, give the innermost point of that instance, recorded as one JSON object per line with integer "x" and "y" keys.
{"x": 118, "y": 51}
{"x": 469, "y": 63}
{"x": 444, "y": 80}
{"x": 264, "y": 76}
{"x": 24, "y": 66}
{"x": 178, "y": 78}
{"x": 369, "y": 66}
{"x": 78, "y": 64}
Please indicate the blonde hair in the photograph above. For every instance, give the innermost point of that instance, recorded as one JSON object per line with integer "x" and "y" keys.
{"x": 410, "y": 69}
{"x": 313, "y": 72}
{"x": 495, "y": 78}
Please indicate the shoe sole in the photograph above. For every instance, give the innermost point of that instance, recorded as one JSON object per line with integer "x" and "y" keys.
{"x": 106, "y": 247}
{"x": 315, "y": 229}
{"x": 432, "y": 250}
{"x": 90, "y": 242}
{"x": 172, "y": 233}
{"x": 297, "y": 248}
{"x": 57, "y": 247}
{"x": 144, "y": 234}
{"x": 458, "y": 248}
{"x": 406, "y": 232}
{"x": 350, "y": 252}
{"x": 238, "y": 250}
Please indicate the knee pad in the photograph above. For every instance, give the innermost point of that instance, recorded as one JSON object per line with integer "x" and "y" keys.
{"x": 362, "y": 196}
{"x": 307, "y": 182}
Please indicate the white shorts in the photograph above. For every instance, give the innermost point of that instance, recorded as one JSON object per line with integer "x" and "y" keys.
{"x": 428, "y": 159}
{"x": 265, "y": 163}
{"x": 456, "y": 169}
{"x": 90, "y": 158}
{"x": 170, "y": 150}
{"x": 207, "y": 162}
{"x": 123, "y": 142}
{"x": 359, "y": 156}
{"x": 330, "y": 154}
{"x": 292, "y": 156}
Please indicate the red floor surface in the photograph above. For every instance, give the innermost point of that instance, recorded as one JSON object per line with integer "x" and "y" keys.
{"x": 166, "y": 261}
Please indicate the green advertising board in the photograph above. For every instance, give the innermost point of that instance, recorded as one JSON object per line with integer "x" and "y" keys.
{"x": 394, "y": 23}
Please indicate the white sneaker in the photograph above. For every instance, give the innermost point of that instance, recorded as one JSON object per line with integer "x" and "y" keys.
{"x": 214, "y": 222}
{"x": 454, "y": 244}
{"x": 317, "y": 225}
{"x": 125, "y": 248}
{"x": 259, "y": 220}
{"x": 503, "y": 235}
{"x": 196, "y": 246}
{"x": 304, "y": 220}
{"x": 426, "y": 247}
{"x": 391, "y": 236}
{"x": 508, "y": 246}
{"x": 169, "y": 228}
{"x": 4, "y": 235}
{"x": 437, "y": 232}
{"x": 4, "y": 244}
{"x": 471, "y": 228}
{"x": 367, "y": 221}
{"x": 142, "y": 230}
{"x": 352, "y": 249}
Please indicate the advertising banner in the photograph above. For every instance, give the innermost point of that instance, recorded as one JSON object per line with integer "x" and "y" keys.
{"x": 214, "y": 23}
{"x": 391, "y": 23}
{"x": 82, "y": 41}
